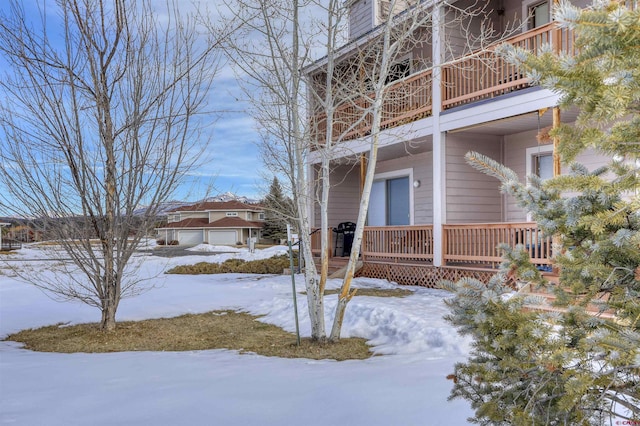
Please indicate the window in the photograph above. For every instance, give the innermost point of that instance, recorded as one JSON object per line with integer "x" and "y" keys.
{"x": 540, "y": 161}
{"x": 232, "y": 214}
{"x": 261, "y": 216}
{"x": 543, "y": 166}
{"x": 391, "y": 199}
{"x": 399, "y": 70}
{"x": 538, "y": 13}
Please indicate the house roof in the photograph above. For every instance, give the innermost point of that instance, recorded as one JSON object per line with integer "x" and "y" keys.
{"x": 235, "y": 222}
{"x": 218, "y": 205}
{"x": 225, "y": 222}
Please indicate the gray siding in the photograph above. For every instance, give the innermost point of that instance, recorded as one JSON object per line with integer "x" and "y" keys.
{"x": 457, "y": 41}
{"x": 472, "y": 196}
{"x": 360, "y": 18}
{"x": 515, "y": 157}
{"x": 344, "y": 196}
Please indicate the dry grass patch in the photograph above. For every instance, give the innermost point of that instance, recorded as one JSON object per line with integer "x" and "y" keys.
{"x": 375, "y": 292}
{"x": 273, "y": 265}
{"x": 212, "y": 330}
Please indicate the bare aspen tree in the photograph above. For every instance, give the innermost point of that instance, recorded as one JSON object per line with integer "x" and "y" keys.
{"x": 306, "y": 107}
{"x": 270, "y": 49}
{"x": 99, "y": 117}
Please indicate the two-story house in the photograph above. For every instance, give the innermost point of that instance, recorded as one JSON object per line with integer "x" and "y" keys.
{"x": 431, "y": 215}
{"x": 220, "y": 222}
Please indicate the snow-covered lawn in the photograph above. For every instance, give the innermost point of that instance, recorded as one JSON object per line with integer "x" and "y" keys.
{"x": 406, "y": 386}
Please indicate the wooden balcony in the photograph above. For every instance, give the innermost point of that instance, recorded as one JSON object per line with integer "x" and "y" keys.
{"x": 477, "y": 244}
{"x": 485, "y": 74}
{"x": 406, "y": 101}
{"x": 463, "y": 244}
{"x": 478, "y": 76}
{"x": 398, "y": 243}
{"x": 404, "y": 254}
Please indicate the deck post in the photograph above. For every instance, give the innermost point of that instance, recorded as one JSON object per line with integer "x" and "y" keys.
{"x": 439, "y": 152}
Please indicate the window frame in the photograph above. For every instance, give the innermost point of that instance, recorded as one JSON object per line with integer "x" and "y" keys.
{"x": 532, "y": 153}
{"x": 527, "y": 16}
{"x": 395, "y": 174}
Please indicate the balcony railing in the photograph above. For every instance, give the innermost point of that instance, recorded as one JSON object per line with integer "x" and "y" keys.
{"x": 485, "y": 74}
{"x": 398, "y": 243}
{"x": 463, "y": 244}
{"x": 406, "y": 101}
{"x": 477, "y": 243}
{"x": 478, "y": 76}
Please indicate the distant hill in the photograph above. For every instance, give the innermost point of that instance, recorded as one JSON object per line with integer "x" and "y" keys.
{"x": 174, "y": 204}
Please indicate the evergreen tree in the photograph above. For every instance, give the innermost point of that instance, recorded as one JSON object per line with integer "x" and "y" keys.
{"x": 278, "y": 212}
{"x": 569, "y": 367}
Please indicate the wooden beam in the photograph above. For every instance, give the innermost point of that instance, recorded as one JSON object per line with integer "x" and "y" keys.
{"x": 557, "y": 169}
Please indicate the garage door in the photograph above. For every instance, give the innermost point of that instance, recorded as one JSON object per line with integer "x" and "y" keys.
{"x": 223, "y": 237}
{"x": 189, "y": 237}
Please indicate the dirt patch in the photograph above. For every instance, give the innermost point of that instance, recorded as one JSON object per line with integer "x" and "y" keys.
{"x": 211, "y": 330}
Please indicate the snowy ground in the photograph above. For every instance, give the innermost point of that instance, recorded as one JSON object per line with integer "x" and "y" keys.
{"x": 406, "y": 386}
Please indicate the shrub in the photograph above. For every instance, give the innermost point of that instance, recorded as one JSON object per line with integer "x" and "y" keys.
{"x": 274, "y": 265}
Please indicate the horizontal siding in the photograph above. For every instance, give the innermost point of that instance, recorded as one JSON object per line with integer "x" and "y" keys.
{"x": 459, "y": 26}
{"x": 471, "y": 195}
{"x": 360, "y": 15}
{"x": 344, "y": 196}
{"x": 515, "y": 157}
{"x": 194, "y": 215}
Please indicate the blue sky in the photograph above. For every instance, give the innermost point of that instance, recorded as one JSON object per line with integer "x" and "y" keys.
{"x": 231, "y": 163}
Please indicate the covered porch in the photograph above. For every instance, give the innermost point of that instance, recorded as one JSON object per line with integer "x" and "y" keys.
{"x": 405, "y": 254}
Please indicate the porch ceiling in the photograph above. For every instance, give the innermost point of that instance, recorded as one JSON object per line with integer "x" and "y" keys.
{"x": 413, "y": 147}
{"x": 519, "y": 123}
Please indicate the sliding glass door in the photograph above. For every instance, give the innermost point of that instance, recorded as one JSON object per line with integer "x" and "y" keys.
{"x": 390, "y": 202}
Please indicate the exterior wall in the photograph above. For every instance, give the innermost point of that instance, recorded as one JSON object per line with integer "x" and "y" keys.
{"x": 472, "y": 196}
{"x": 193, "y": 215}
{"x": 592, "y": 159}
{"x": 457, "y": 42}
{"x": 360, "y": 18}
{"x": 422, "y": 171}
{"x": 516, "y": 9}
{"x": 515, "y": 158}
{"x": 344, "y": 197}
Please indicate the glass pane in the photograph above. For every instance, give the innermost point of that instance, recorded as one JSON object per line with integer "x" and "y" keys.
{"x": 377, "y": 214}
{"x": 398, "y": 199}
{"x": 540, "y": 14}
{"x": 544, "y": 166}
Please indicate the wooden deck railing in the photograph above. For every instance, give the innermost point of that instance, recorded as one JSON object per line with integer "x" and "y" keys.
{"x": 315, "y": 242}
{"x": 473, "y": 245}
{"x": 407, "y": 100}
{"x": 477, "y": 243}
{"x": 9, "y": 244}
{"x": 481, "y": 75}
{"x": 486, "y": 74}
{"x": 398, "y": 243}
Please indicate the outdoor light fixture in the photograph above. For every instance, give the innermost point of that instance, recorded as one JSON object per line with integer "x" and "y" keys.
{"x": 416, "y": 183}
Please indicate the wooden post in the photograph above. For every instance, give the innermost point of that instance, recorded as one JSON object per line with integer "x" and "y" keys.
{"x": 557, "y": 170}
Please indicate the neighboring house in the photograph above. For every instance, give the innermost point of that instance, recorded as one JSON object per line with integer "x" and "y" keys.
{"x": 432, "y": 216}
{"x": 225, "y": 223}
